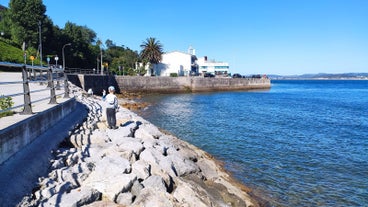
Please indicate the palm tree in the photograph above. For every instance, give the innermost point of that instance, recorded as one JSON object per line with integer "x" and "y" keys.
{"x": 151, "y": 52}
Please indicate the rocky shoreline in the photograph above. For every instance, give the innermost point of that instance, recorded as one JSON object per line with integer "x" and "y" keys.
{"x": 134, "y": 165}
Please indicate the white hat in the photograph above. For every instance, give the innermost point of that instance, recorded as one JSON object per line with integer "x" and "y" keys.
{"x": 111, "y": 88}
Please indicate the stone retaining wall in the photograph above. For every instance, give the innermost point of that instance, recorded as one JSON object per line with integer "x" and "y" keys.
{"x": 167, "y": 84}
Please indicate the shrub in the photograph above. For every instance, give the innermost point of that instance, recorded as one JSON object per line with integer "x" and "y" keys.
{"x": 6, "y": 102}
{"x": 10, "y": 53}
{"x": 173, "y": 75}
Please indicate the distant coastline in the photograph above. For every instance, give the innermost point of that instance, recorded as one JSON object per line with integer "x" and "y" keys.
{"x": 322, "y": 76}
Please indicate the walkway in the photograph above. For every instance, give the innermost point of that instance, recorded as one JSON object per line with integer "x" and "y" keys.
{"x": 18, "y": 100}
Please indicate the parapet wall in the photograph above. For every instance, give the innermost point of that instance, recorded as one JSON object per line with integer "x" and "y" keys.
{"x": 21, "y": 134}
{"x": 167, "y": 84}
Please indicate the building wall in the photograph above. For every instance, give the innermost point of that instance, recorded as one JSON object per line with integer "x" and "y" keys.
{"x": 174, "y": 62}
{"x": 211, "y": 66}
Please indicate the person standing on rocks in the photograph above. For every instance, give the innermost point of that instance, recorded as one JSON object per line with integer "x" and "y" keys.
{"x": 111, "y": 107}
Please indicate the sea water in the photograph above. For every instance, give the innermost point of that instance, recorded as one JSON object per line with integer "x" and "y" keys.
{"x": 301, "y": 143}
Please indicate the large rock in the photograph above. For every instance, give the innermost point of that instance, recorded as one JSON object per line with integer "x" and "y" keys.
{"x": 152, "y": 197}
{"x": 208, "y": 169}
{"x": 53, "y": 192}
{"x": 155, "y": 182}
{"x": 151, "y": 156}
{"x": 127, "y": 144}
{"x": 117, "y": 134}
{"x": 97, "y": 137}
{"x": 125, "y": 199}
{"x": 183, "y": 166}
{"x": 142, "y": 169}
{"x": 148, "y": 131}
{"x": 192, "y": 195}
{"x": 110, "y": 178}
{"x": 76, "y": 197}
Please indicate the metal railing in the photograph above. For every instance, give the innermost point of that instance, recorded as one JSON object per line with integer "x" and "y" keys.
{"x": 80, "y": 71}
{"x": 41, "y": 75}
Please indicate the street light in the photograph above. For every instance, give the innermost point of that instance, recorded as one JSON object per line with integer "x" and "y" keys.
{"x": 66, "y": 87}
{"x": 62, "y": 51}
{"x": 56, "y": 59}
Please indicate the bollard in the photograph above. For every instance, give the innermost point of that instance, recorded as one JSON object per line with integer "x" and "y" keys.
{"x": 27, "y": 97}
{"x": 52, "y": 88}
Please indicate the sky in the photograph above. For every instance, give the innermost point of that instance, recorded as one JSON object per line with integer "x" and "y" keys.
{"x": 284, "y": 37}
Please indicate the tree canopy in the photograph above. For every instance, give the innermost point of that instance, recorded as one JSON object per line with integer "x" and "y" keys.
{"x": 151, "y": 52}
{"x": 25, "y": 15}
{"x": 24, "y": 19}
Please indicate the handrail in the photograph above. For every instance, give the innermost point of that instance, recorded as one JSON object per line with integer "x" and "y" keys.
{"x": 27, "y": 72}
{"x": 11, "y": 82}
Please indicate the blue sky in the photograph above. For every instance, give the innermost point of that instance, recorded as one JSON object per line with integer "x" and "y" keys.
{"x": 284, "y": 37}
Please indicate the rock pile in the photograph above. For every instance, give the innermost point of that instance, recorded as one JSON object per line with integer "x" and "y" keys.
{"x": 134, "y": 165}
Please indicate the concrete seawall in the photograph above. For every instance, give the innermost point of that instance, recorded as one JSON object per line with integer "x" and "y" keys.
{"x": 167, "y": 84}
{"x": 19, "y": 135}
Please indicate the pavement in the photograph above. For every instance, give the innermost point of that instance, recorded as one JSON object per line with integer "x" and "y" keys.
{"x": 7, "y": 89}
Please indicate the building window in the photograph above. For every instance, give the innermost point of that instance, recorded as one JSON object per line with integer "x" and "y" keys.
{"x": 221, "y": 67}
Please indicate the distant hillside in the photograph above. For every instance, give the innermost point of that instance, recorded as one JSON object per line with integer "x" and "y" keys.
{"x": 323, "y": 76}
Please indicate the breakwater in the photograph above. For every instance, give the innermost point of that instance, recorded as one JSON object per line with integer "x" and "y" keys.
{"x": 134, "y": 165}
{"x": 167, "y": 84}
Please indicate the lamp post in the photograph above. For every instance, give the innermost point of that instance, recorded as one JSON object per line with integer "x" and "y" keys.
{"x": 56, "y": 59}
{"x": 102, "y": 68}
{"x": 66, "y": 87}
{"x": 62, "y": 51}
{"x": 40, "y": 40}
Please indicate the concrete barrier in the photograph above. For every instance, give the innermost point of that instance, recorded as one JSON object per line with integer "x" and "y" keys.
{"x": 21, "y": 134}
{"x": 167, "y": 84}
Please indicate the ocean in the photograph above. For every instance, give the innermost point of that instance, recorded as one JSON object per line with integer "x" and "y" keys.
{"x": 301, "y": 143}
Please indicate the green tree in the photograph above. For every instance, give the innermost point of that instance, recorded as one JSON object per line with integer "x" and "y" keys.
{"x": 82, "y": 39}
{"x": 25, "y": 16}
{"x": 151, "y": 52}
{"x": 121, "y": 60}
{"x": 5, "y": 24}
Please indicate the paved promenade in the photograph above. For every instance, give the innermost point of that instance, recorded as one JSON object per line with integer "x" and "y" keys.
{"x": 18, "y": 100}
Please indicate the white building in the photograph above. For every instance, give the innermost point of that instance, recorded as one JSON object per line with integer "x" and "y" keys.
{"x": 212, "y": 66}
{"x": 176, "y": 62}
{"x": 185, "y": 64}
